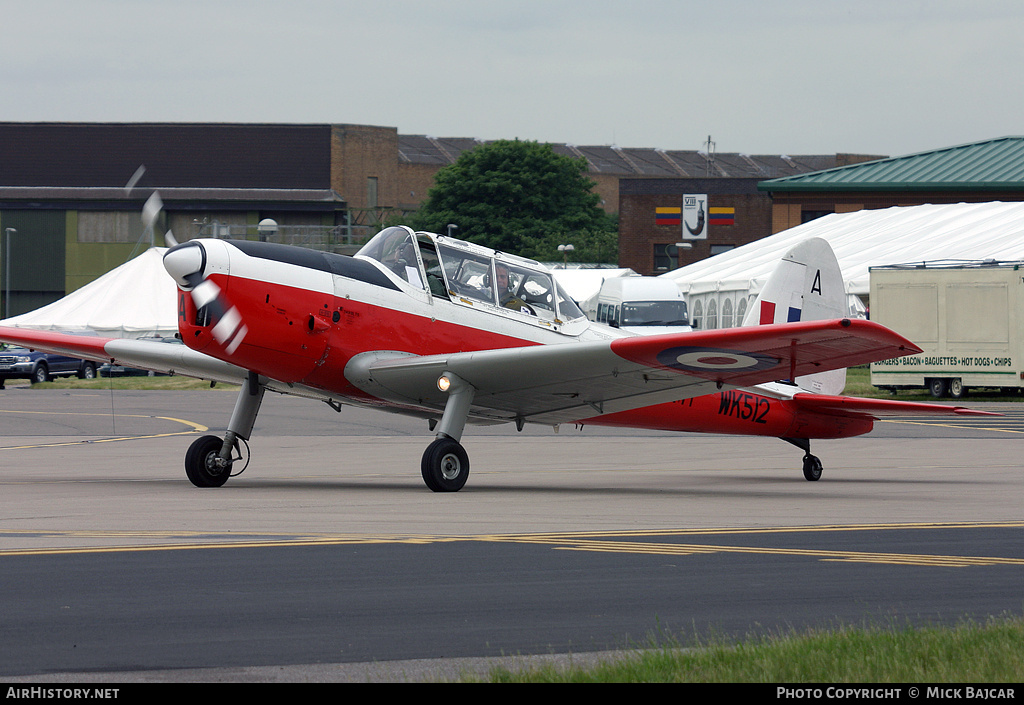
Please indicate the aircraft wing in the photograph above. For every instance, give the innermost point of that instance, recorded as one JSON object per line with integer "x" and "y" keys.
{"x": 574, "y": 381}
{"x": 142, "y": 354}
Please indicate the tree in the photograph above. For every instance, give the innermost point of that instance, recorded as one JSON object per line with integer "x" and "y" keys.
{"x": 517, "y": 197}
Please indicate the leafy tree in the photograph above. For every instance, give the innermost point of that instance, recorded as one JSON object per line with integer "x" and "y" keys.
{"x": 522, "y": 198}
{"x": 595, "y": 246}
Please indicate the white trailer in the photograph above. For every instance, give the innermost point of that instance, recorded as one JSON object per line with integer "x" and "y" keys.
{"x": 965, "y": 316}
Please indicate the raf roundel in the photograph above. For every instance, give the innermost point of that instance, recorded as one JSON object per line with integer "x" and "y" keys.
{"x": 704, "y": 359}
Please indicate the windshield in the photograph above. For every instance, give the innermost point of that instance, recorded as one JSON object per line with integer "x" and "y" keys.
{"x": 654, "y": 313}
{"x": 567, "y": 308}
{"x": 394, "y": 248}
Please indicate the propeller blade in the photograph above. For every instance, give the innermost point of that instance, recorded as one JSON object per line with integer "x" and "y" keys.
{"x": 135, "y": 179}
{"x": 151, "y": 210}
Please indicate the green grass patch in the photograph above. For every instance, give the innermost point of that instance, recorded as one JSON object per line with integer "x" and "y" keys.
{"x": 138, "y": 383}
{"x": 992, "y": 652}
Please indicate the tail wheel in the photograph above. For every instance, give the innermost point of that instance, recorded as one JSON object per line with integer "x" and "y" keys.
{"x": 203, "y": 464}
{"x": 445, "y": 466}
{"x": 812, "y": 468}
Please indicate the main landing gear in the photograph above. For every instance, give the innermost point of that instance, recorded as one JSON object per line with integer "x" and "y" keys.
{"x": 209, "y": 460}
{"x": 445, "y": 464}
{"x": 812, "y": 464}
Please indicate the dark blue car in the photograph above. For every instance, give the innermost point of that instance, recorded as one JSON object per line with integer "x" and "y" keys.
{"x": 22, "y": 363}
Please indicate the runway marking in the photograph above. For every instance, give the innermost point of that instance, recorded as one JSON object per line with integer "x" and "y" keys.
{"x": 1011, "y": 421}
{"x": 842, "y": 556}
{"x": 194, "y": 428}
{"x": 953, "y": 425}
{"x": 592, "y": 541}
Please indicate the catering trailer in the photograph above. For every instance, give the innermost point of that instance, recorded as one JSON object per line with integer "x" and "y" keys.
{"x": 967, "y": 317}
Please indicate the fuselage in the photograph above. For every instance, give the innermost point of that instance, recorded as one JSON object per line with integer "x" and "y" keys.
{"x": 307, "y": 315}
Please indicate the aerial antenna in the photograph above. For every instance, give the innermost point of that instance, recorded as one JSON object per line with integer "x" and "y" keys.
{"x": 709, "y": 153}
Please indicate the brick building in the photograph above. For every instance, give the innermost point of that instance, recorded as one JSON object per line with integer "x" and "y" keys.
{"x": 727, "y": 202}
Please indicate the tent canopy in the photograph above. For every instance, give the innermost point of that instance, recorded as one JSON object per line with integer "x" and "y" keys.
{"x": 869, "y": 238}
{"x": 137, "y": 299}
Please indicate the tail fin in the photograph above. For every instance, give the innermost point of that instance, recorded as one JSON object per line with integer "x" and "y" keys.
{"x": 807, "y": 285}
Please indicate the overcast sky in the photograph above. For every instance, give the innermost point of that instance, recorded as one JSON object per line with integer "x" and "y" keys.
{"x": 758, "y": 76}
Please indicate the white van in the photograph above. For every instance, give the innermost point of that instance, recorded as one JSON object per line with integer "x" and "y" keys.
{"x": 644, "y": 305}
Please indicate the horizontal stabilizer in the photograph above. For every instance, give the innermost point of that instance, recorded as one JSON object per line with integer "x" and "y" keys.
{"x": 878, "y": 408}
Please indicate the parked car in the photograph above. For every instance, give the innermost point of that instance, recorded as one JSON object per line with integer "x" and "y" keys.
{"x": 21, "y": 363}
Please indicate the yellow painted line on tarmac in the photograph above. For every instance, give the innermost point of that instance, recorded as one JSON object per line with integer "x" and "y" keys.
{"x": 193, "y": 428}
{"x": 842, "y": 556}
{"x": 148, "y": 541}
{"x": 261, "y": 542}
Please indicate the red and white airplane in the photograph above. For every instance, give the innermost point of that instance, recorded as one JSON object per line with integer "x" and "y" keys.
{"x": 457, "y": 334}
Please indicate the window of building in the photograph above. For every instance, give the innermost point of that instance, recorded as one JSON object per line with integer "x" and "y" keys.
{"x": 664, "y": 257}
{"x": 806, "y": 216}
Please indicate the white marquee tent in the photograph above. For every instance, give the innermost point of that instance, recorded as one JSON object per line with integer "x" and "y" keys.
{"x": 137, "y": 299}
{"x": 900, "y": 235}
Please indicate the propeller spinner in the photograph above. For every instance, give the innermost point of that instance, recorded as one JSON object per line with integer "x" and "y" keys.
{"x": 187, "y": 264}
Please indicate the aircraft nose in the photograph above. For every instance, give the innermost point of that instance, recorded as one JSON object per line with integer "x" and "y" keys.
{"x": 183, "y": 262}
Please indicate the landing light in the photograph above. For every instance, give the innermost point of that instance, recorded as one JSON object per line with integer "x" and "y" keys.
{"x": 443, "y": 383}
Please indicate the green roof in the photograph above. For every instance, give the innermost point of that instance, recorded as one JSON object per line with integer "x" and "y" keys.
{"x": 992, "y": 165}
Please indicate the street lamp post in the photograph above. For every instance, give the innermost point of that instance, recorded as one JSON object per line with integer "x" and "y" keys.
{"x": 565, "y": 250}
{"x": 7, "y": 272}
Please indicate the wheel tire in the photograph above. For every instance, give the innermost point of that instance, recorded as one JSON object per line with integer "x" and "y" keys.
{"x": 812, "y": 468}
{"x": 40, "y": 374}
{"x": 938, "y": 387}
{"x": 199, "y": 465}
{"x": 957, "y": 389}
{"x": 445, "y": 466}
{"x": 88, "y": 371}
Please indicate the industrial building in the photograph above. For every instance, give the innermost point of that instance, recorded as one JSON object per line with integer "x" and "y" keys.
{"x": 737, "y": 211}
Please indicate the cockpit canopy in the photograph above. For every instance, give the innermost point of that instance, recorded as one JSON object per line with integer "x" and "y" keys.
{"x": 470, "y": 274}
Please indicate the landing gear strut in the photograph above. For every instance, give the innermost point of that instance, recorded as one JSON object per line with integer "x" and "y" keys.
{"x": 812, "y": 464}
{"x": 445, "y": 464}
{"x": 209, "y": 459}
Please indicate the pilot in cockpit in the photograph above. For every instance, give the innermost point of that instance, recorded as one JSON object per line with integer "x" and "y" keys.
{"x": 507, "y": 291}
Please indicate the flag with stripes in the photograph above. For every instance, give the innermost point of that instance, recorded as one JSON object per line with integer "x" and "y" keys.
{"x": 722, "y": 216}
{"x": 668, "y": 215}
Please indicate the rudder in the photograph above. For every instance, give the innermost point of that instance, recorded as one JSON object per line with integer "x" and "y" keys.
{"x": 807, "y": 285}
